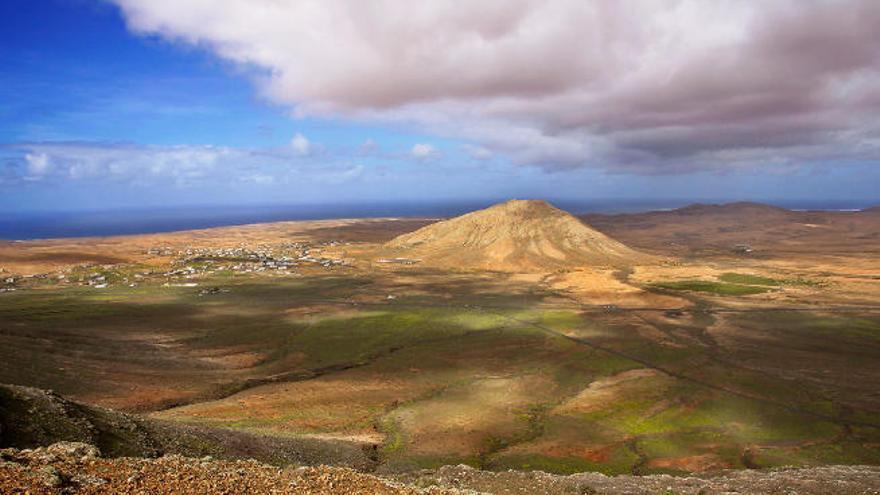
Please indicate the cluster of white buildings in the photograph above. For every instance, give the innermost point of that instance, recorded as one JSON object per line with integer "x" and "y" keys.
{"x": 252, "y": 260}
{"x": 193, "y": 262}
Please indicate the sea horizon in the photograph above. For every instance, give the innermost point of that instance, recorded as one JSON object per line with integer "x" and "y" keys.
{"x": 36, "y": 225}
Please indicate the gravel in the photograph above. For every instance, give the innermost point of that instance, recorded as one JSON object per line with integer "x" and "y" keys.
{"x": 74, "y": 468}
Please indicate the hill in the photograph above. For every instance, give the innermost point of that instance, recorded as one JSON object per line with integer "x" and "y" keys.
{"x": 716, "y": 230}
{"x": 31, "y": 417}
{"x": 743, "y": 208}
{"x": 53, "y": 445}
{"x": 518, "y": 235}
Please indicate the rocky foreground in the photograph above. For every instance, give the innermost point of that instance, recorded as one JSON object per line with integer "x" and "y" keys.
{"x": 77, "y": 468}
{"x": 70, "y": 467}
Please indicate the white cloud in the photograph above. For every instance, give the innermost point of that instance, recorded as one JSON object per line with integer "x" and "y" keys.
{"x": 478, "y": 152}
{"x": 301, "y": 144}
{"x": 85, "y": 161}
{"x": 422, "y": 150}
{"x": 180, "y": 165}
{"x": 646, "y": 84}
{"x": 37, "y": 165}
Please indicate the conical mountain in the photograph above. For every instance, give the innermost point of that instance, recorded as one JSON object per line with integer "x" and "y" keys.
{"x": 518, "y": 235}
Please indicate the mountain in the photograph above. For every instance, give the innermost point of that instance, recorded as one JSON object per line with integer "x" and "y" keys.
{"x": 706, "y": 229}
{"x": 518, "y": 235}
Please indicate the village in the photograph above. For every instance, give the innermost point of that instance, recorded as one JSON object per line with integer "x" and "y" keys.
{"x": 185, "y": 266}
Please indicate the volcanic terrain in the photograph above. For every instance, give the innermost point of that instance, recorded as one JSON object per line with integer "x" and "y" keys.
{"x": 519, "y": 235}
{"x": 715, "y": 337}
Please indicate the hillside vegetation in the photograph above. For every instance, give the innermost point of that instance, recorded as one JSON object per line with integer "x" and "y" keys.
{"x": 31, "y": 417}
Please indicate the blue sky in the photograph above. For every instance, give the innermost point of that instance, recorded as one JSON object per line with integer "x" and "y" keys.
{"x": 125, "y": 104}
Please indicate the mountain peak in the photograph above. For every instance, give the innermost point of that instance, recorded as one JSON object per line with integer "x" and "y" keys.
{"x": 524, "y": 205}
{"x": 517, "y": 235}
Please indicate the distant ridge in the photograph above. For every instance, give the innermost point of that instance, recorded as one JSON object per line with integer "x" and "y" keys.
{"x": 742, "y": 207}
{"x": 749, "y": 208}
{"x": 518, "y": 235}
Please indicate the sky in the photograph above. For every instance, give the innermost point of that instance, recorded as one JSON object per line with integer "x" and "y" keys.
{"x": 161, "y": 103}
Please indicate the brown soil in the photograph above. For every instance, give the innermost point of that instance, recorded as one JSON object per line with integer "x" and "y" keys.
{"x": 714, "y": 230}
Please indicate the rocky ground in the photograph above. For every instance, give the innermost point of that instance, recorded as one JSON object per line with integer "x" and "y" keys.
{"x": 77, "y": 468}
{"x": 71, "y": 467}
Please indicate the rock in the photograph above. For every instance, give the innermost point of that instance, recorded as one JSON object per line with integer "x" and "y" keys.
{"x": 74, "y": 450}
{"x": 88, "y": 480}
{"x": 51, "y": 476}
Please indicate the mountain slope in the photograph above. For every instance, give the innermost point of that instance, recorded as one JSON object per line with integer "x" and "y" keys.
{"x": 705, "y": 230}
{"x": 519, "y": 235}
{"x": 30, "y": 417}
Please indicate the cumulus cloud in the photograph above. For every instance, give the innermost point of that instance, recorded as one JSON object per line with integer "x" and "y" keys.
{"x": 182, "y": 165}
{"x": 301, "y": 144}
{"x": 86, "y": 161}
{"x": 37, "y": 165}
{"x": 422, "y": 150}
{"x": 652, "y": 85}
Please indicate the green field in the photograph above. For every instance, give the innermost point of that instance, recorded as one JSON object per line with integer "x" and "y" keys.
{"x": 746, "y": 279}
{"x": 476, "y": 371}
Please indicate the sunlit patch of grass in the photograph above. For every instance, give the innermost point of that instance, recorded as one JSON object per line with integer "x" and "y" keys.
{"x": 394, "y": 440}
{"x": 688, "y": 442}
{"x": 353, "y": 339}
{"x": 560, "y": 320}
{"x": 747, "y": 279}
{"x": 474, "y": 320}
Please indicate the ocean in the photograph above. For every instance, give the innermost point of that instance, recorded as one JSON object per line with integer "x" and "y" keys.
{"x": 55, "y": 224}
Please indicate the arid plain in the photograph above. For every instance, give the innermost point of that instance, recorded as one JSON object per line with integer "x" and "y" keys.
{"x": 692, "y": 340}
